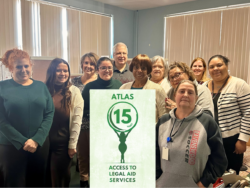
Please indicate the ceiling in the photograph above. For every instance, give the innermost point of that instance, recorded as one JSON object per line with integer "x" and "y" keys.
{"x": 141, "y": 4}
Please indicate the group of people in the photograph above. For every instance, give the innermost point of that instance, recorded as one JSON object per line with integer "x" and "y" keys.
{"x": 202, "y": 124}
{"x": 207, "y": 129}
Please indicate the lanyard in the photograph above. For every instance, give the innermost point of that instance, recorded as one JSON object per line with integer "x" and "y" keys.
{"x": 169, "y": 139}
{"x": 219, "y": 89}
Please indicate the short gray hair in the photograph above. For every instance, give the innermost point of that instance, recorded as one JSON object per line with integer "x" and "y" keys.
{"x": 164, "y": 62}
{"x": 119, "y": 44}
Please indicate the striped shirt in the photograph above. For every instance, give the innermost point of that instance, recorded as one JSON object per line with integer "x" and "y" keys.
{"x": 234, "y": 109}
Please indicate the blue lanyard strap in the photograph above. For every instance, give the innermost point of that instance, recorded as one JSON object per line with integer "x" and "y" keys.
{"x": 169, "y": 139}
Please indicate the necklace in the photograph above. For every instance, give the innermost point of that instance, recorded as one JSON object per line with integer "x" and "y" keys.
{"x": 219, "y": 89}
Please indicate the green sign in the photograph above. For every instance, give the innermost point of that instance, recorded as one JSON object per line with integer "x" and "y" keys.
{"x": 122, "y": 138}
{"x": 120, "y": 117}
{"x": 121, "y": 121}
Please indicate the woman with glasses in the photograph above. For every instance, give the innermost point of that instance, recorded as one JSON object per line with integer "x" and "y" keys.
{"x": 104, "y": 69}
{"x": 179, "y": 71}
{"x": 141, "y": 66}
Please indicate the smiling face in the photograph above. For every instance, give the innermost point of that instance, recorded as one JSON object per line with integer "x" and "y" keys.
{"x": 185, "y": 96}
{"x": 198, "y": 68}
{"x": 218, "y": 70}
{"x": 140, "y": 73}
{"x": 22, "y": 71}
{"x": 105, "y": 70}
{"x": 62, "y": 74}
{"x": 120, "y": 55}
{"x": 158, "y": 70}
{"x": 176, "y": 75}
{"x": 88, "y": 67}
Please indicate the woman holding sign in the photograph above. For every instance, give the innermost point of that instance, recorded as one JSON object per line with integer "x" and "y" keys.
{"x": 104, "y": 69}
{"x": 141, "y": 67}
{"x": 189, "y": 148}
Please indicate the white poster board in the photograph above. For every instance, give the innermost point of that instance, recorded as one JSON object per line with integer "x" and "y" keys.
{"x": 122, "y": 138}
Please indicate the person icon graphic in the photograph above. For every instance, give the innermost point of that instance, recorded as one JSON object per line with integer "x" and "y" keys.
{"x": 122, "y": 146}
{"x": 122, "y": 117}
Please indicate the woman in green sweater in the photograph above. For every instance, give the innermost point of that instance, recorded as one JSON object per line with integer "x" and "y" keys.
{"x": 104, "y": 69}
{"x": 26, "y": 114}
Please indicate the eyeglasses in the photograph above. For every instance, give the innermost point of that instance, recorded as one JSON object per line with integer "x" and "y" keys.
{"x": 177, "y": 75}
{"x": 106, "y": 68}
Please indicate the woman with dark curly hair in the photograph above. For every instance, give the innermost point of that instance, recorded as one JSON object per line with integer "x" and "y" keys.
{"x": 66, "y": 124}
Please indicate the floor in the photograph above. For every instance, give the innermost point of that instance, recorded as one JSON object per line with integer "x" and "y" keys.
{"x": 246, "y": 162}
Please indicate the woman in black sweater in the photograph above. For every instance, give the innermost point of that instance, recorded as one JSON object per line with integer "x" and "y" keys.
{"x": 104, "y": 69}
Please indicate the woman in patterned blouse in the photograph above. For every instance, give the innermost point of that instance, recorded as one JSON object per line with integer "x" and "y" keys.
{"x": 88, "y": 66}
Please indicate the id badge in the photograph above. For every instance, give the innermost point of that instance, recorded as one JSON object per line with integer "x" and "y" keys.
{"x": 165, "y": 153}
